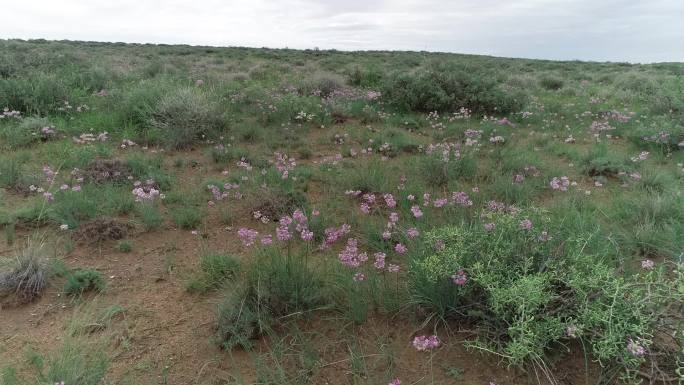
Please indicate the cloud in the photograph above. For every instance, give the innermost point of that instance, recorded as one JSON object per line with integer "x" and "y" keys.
{"x": 617, "y": 30}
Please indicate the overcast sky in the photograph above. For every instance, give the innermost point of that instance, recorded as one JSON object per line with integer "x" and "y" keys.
{"x": 613, "y": 30}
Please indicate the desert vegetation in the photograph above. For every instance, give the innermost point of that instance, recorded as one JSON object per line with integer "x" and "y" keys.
{"x": 202, "y": 215}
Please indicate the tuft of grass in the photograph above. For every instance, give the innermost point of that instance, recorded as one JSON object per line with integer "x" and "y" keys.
{"x": 215, "y": 270}
{"x": 125, "y": 246}
{"x": 27, "y": 276}
{"x": 187, "y": 217}
{"x": 83, "y": 281}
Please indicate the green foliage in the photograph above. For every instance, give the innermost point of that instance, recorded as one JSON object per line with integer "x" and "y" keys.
{"x": 82, "y": 281}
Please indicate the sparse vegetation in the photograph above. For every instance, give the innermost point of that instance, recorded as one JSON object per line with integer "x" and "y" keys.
{"x": 325, "y": 210}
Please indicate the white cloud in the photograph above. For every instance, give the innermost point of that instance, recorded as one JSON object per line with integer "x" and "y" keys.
{"x": 618, "y": 30}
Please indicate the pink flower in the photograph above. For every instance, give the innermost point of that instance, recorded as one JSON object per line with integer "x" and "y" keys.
{"x": 440, "y": 202}
{"x": 459, "y": 278}
{"x": 525, "y": 224}
{"x": 267, "y": 240}
{"x": 400, "y": 248}
{"x": 636, "y": 349}
{"x": 379, "y": 260}
{"x": 350, "y": 255}
{"x": 461, "y": 198}
{"x": 489, "y": 227}
{"x": 333, "y": 234}
{"x": 365, "y": 208}
{"x": 307, "y": 235}
{"x": 392, "y": 268}
{"x": 358, "y": 277}
{"x": 386, "y": 234}
{"x": 647, "y": 264}
{"x": 426, "y": 199}
{"x": 390, "y": 201}
{"x": 412, "y": 233}
{"x": 247, "y": 236}
{"x": 561, "y": 184}
{"x": 417, "y": 213}
{"x": 396, "y": 381}
{"x": 283, "y": 233}
{"x": 425, "y": 343}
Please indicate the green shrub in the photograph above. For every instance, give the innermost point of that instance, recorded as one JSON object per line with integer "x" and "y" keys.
{"x": 83, "y": 281}
{"x": 366, "y": 77}
{"x": 551, "y": 83}
{"x": 185, "y": 116}
{"x": 529, "y": 292}
{"x": 24, "y": 133}
{"x": 448, "y": 88}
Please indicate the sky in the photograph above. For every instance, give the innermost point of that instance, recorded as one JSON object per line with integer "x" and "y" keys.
{"x": 638, "y": 31}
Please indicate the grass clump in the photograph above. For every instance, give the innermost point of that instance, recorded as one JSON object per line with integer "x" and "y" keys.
{"x": 26, "y": 277}
{"x": 83, "y": 281}
{"x": 276, "y": 286}
{"x": 215, "y": 270}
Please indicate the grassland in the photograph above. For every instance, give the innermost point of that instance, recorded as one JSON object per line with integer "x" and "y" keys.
{"x": 202, "y": 215}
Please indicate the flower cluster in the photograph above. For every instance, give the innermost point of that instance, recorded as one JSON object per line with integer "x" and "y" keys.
{"x": 48, "y": 132}
{"x": 89, "y": 138}
{"x": 641, "y": 157}
{"x": 350, "y": 255}
{"x": 459, "y": 278}
{"x": 333, "y": 234}
{"x": 7, "y": 113}
{"x": 560, "y": 184}
{"x": 425, "y": 343}
{"x": 248, "y": 236}
{"x": 146, "y": 192}
{"x": 284, "y": 164}
{"x": 635, "y": 348}
{"x": 497, "y": 139}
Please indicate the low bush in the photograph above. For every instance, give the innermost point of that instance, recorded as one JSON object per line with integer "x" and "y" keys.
{"x": 448, "y": 88}
{"x": 185, "y": 116}
{"x": 530, "y": 293}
